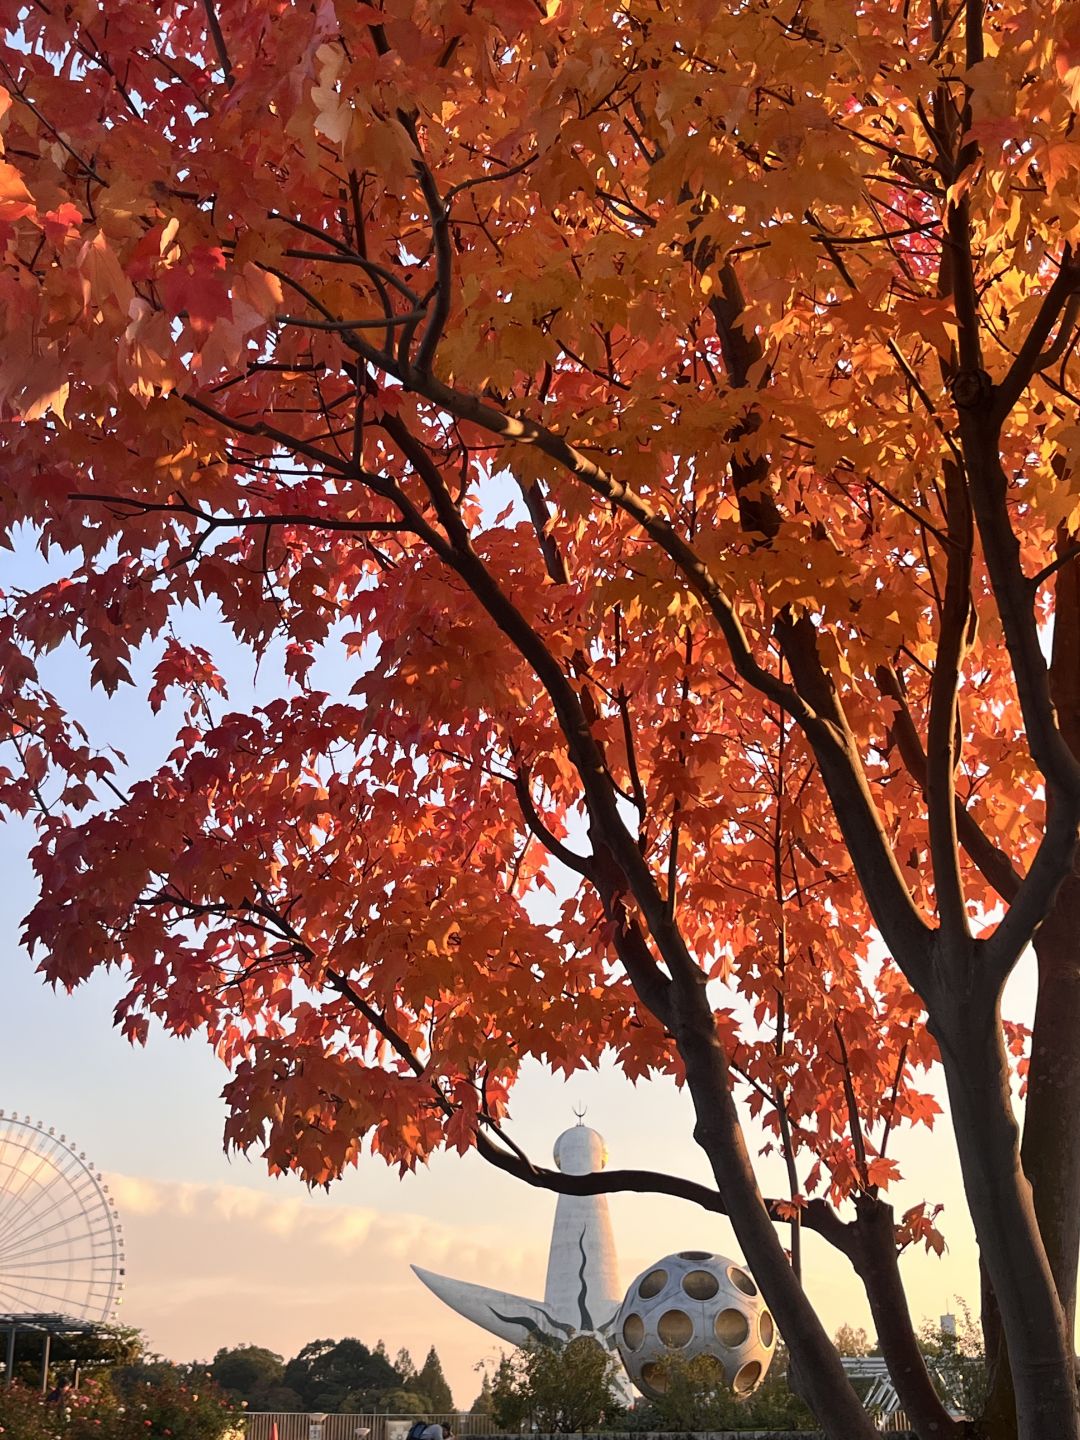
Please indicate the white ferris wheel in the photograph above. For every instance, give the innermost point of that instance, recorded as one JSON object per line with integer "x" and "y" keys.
{"x": 61, "y": 1245}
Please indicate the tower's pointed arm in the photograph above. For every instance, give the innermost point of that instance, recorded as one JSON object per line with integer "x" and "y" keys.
{"x": 510, "y": 1317}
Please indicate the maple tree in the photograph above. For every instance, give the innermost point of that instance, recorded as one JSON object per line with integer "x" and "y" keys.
{"x": 643, "y": 436}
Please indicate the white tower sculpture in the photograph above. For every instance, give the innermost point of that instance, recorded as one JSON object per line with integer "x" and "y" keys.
{"x": 582, "y": 1292}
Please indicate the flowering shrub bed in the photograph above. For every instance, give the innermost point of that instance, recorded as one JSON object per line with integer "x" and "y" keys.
{"x": 154, "y": 1410}
{"x": 24, "y": 1417}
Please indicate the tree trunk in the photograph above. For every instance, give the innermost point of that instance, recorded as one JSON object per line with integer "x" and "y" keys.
{"x": 871, "y": 1247}
{"x": 1051, "y": 1147}
{"x": 998, "y": 1418}
{"x": 718, "y": 1131}
{"x": 1050, "y": 1153}
{"x": 1003, "y": 1212}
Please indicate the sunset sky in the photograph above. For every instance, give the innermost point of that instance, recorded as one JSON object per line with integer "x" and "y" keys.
{"x": 220, "y": 1254}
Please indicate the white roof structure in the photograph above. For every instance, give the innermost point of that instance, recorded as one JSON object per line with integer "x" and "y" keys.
{"x": 881, "y": 1397}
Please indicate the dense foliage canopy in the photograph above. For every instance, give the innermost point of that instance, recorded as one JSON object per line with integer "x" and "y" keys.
{"x": 186, "y": 448}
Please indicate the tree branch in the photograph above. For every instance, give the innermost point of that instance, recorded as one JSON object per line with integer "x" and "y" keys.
{"x": 816, "y": 1215}
{"x": 1049, "y": 749}
{"x": 550, "y": 842}
{"x": 1069, "y": 553}
{"x": 613, "y": 846}
{"x": 854, "y": 1120}
{"x": 992, "y": 862}
{"x": 241, "y": 522}
{"x": 382, "y": 323}
{"x": 941, "y": 799}
{"x": 887, "y": 893}
{"x": 1061, "y": 296}
{"x": 378, "y": 1022}
{"x": 213, "y": 24}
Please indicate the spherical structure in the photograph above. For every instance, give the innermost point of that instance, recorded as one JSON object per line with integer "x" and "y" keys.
{"x": 580, "y": 1151}
{"x": 61, "y": 1248}
{"x": 695, "y": 1304}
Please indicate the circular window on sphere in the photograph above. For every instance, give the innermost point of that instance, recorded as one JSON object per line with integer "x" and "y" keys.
{"x": 767, "y": 1328}
{"x": 655, "y": 1377}
{"x": 708, "y": 1369}
{"x": 697, "y": 1255}
{"x": 732, "y": 1328}
{"x": 700, "y": 1285}
{"x": 741, "y": 1280}
{"x": 675, "y": 1329}
{"x": 747, "y": 1377}
{"x": 633, "y": 1331}
{"x": 652, "y": 1284}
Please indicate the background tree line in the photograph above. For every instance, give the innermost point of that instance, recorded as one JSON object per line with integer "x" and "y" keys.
{"x": 334, "y": 1376}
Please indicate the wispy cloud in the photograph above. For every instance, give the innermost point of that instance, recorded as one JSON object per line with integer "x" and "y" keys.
{"x": 213, "y": 1264}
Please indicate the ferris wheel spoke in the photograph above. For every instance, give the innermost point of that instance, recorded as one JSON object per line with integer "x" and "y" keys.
{"x": 32, "y": 1191}
{"x": 27, "y": 1178}
{"x": 49, "y": 1295}
{"x": 35, "y": 1210}
{"x": 73, "y": 1278}
{"x": 30, "y": 1223}
{"x": 18, "y": 1145}
{"x": 31, "y": 1293}
{"x": 59, "y": 1173}
{"x": 80, "y": 1190}
{"x": 100, "y": 1240}
{"x": 11, "y": 1266}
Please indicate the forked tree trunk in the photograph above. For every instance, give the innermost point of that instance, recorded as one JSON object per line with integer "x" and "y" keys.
{"x": 1003, "y": 1212}
{"x": 1050, "y": 1152}
{"x": 871, "y": 1248}
{"x": 1051, "y": 1148}
{"x": 718, "y": 1131}
{"x": 998, "y": 1418}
